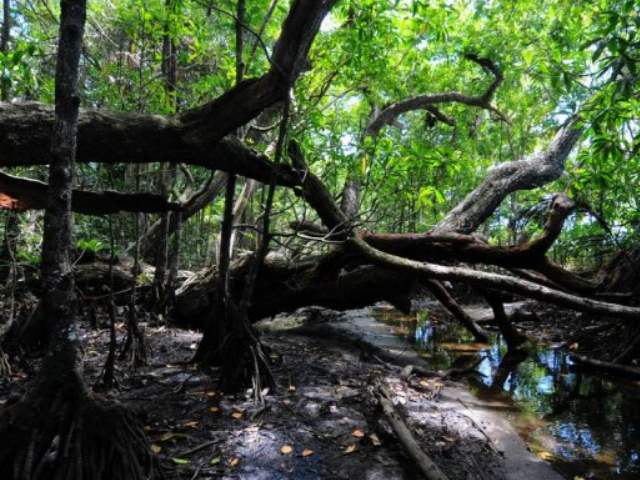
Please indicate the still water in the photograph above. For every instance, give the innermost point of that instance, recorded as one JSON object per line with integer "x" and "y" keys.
{"x": 587, "y": 425}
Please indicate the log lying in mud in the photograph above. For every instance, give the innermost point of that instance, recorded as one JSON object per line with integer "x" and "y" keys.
{"x": 426, "y": 465}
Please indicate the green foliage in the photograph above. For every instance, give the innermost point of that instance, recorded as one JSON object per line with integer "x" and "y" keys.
{"x": 557, "y": 57}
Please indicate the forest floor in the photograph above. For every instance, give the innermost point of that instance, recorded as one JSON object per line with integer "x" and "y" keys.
{"x": 321, "y": 422}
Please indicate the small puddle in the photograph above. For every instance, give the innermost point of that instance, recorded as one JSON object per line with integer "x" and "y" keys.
{"x": 586, "y": 425}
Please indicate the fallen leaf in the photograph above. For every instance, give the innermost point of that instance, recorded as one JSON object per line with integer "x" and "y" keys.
{"x": 234, "y": 461}
{"x": 215, "y": 461}
{"x": 191, "y": 423}
{"x": 252, "y": 429}
{"x": 306, "y": 452}
{"x": 573, "y": 346}
{"x": 214, "y": 409}
{"x": 211, "y": 393}
{"x": 375, "y": 441}
{"x": 286, "y": 450}
{"x": 545, "y": 456}
{"x": 180, "y": 461}
{"x": 357, "y": 433}
{"x": 237, "y": 415}
{"x": 351, "y": 448}
{"x": 170, "y": 435}
{"x": 424, "y": 383}
{"x": 156, "y": 448}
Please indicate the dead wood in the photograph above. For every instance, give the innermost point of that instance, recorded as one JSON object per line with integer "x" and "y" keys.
{"x": 22, "y": 194}
{"x": 426, "y": 465}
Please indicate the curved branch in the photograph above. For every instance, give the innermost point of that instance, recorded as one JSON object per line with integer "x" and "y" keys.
{"x": 426, "y": 102}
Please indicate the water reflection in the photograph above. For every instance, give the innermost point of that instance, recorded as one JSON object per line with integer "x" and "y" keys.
{"x": 587, "y": 425}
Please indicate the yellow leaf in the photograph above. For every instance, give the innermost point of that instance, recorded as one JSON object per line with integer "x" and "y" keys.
{"x": 306, "y": 452}
{"x": 351, "y": 448}
{"x": 375, "y": 441}
{"x": 545, "y": 456}
{"x": 215, "y": 409}
{"x": 424, "y": 383}
{"x": 286, "y": 450}
{"x": 156, "y": 448}
{"x": 573, "y": 346}
{"x": 192, "y": 423}
{"x": 237, "y": 415}
{"x": 234, "y": 461}
{"x": 357, "y": 433}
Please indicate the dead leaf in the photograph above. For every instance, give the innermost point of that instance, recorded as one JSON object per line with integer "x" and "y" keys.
{"x": 156, "y": 448}
{"x": 237, "y": 415}
{"x": 573, "y": 346}
{"x": 234, "y": 461}
{"x": 170, "y": 435}
{"x": 424, "y": 383}
{"x": 214, "y": 409}
{"x": 375, "y": 440}
{"x": 351, "y": 448}
{"x": 252, "y": 429}
{"x": 191, "y": 423}
{"x": 545, "y": 456}
{"x": 306, "y": 452}
{"x": 286, "y": 450}
{"x": 357, "y": 433}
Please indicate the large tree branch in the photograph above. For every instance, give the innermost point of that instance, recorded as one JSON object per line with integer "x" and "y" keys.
{"x": 537, "y": 170}
{"x": 249, "y": 98}
{"x": 25, "y": 132}
{"x": 335, "y": 219}
{"x": 427, "y": 102}
{"x": 25, "y": 194}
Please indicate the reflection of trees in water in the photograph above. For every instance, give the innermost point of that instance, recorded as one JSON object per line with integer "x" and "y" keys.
{"x": 587, "y": 417}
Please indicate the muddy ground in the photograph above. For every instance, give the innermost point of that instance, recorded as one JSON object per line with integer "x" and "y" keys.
{"x": 321, "y": 423}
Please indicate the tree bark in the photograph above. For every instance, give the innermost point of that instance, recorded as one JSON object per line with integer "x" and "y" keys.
{"x": 532, "y": 172}
{"x": 57, "y": 430}
{"x": 22, "y": 194}
{"x": 5, "y": 84}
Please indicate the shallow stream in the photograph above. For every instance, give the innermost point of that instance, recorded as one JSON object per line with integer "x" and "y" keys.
{"x": 586, "y": 425}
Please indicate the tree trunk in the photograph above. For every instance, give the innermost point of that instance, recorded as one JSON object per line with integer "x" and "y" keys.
{"x": 59, "y": 431}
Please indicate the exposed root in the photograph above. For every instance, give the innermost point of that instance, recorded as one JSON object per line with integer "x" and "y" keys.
{"x": 133, "y": 352}
{"x": 5, "y": 366}
{"x": 72, "y": 435}
{"x": 245, "y": 364}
